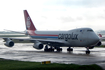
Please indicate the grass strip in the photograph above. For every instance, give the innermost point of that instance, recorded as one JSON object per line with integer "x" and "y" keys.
{"x": 22, "y": 65}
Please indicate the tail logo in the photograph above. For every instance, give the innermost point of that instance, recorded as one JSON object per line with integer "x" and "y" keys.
{"x": 28, "y": 22}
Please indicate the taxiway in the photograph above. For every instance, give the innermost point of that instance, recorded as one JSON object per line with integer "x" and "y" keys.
{"x": 25, "y": 52}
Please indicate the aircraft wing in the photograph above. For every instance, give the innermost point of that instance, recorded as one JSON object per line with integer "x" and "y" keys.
{"x": 44, "y": 41}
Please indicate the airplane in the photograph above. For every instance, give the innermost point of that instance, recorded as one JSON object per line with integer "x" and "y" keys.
{"x": 79, "y": 37}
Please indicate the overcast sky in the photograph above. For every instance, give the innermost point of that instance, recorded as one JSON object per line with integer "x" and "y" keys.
{"x": 53, "y": 14}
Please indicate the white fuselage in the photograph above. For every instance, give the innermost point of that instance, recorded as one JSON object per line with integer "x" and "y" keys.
{"x": 75, "y": 38}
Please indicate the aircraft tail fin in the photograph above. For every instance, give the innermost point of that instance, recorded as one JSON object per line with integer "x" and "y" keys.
{"x": 28, "y": 21}
{"x": 100, "y": 35}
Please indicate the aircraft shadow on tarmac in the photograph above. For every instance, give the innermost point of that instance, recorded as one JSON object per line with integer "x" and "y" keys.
{"x": 77, "y": 51}
{"x": 59, "y": 53}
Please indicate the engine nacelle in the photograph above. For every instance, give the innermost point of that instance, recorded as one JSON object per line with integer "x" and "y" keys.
{"x": 38, "y": 45}
{"x": 9, "y": 43}
{"x": 91, "y": 47}
{"x": 98, "y": 44}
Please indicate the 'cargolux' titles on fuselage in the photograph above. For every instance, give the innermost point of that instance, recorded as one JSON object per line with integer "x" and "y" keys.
{"x": 68, "y": 36}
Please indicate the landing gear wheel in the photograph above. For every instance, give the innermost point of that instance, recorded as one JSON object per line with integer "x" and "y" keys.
{"x": 69, "y": 49}
{"x": 87, "y": 52}
{"x": 59, "y": 49}
{"x": 51, "y": 49}
{"x": 46, "y": 49}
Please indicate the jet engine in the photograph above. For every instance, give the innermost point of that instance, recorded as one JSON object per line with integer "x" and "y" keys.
{"x": 91, "y": 47}
{"x": 9, "y": 43}
{"x": 38, "y": 45}
{"x": 98, "y": 44}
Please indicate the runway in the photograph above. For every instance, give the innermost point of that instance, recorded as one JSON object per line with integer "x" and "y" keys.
{"x": 25, "y": 52}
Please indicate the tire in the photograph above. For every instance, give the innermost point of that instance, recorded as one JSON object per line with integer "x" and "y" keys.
{"x": 87, "y": 52}
{"x": 68, "y": 49}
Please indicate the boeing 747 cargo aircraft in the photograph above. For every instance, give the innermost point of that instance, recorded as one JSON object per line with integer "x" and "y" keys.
{"x": 80, "y": 37}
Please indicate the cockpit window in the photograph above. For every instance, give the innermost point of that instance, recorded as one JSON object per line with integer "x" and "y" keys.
{"x": 90, "y": 30}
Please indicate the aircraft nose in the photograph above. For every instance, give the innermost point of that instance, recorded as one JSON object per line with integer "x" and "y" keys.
{"x": 96, "y": 38}
{"x": 93, "y": 39}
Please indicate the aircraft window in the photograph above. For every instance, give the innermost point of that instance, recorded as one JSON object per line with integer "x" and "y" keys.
{"x": 90, "y": 30}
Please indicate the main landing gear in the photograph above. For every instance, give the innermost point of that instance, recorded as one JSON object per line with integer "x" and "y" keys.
{"x": 87, "y": 51}
{"x": 48, "y": 49}
{"x": 59, "y": 49}
{"x": 51, "y": 49}
{"x": 69, "y": 49}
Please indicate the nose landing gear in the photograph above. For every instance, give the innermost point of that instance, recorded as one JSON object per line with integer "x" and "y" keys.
{"x": 87, "y": 51}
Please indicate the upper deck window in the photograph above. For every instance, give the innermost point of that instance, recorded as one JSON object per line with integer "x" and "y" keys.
{"x": 90, "y": 30}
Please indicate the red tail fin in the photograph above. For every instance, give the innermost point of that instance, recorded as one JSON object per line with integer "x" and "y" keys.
{"x": 28, "y": 21}
{"x": 100, "y": 35}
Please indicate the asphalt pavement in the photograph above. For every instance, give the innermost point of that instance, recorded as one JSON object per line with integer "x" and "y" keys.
{"x": 25, "y": 52}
